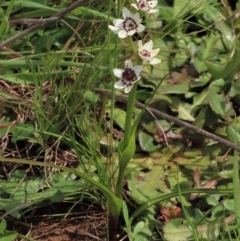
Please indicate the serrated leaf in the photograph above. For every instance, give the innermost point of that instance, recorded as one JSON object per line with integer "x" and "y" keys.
{"x": 227, "y": 70}
{"x": 175, "y": 230}
{"x": 181, "y": 88}
{"x": 216, "y": 103}
{"x": 233, "y": 131}
{"x": 147, "y": 223}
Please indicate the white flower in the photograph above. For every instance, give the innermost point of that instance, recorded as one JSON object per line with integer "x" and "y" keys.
{"x": 147, "y": 53}
{"x": 127, "y": 26}
{"x": 146, "y": 6}
{"x": 127, "y": 76}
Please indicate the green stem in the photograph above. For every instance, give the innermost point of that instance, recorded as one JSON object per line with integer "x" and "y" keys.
{"x": 130, "y": 105}
{"x": 128, "y": 132}
{"x": 129, "y": 115}
{"x": 120, "y": 181}
{"x": 236, "y": 187}
{"x": 113, "y": 215}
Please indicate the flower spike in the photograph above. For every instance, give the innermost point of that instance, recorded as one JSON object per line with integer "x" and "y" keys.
{"x": 146, "y": 52}
{"x": 127, "y": 26}
{"x": 146, "y": 6}
{"x": 128, "y": 76}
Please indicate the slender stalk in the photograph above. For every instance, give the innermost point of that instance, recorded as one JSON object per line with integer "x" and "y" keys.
{"x": 236, "y": 187}
{"x": 113, "y": 215}
{"x": 120, "y": 181}
{"x": 126, "y": 141}
{"x": 129, "y": 115}
{"x": 130, "y": 105}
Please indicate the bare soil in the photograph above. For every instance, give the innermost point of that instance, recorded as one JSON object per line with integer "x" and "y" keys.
{"x": 62, "y": 222}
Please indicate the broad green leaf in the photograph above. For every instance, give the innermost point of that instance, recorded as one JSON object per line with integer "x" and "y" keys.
{"x": 217, "y": 85}
{"x": 119, "y": 117}
{"x": 210, "y": 230}
{"x": 181, "y": 88}
{"x": 227, "y": 70}
{"x": 184, "y": 109}
{"x": 58, "y": 196}
{"x": 175, "y": 230}
{"x": 3, "y": 226}
{"x": 202, "y": 80}
{"x": 12, "y": 206}
{"x": 146, "y": 142}
{"x": 145, "y": 186}
{"x": 233, "y": 131}
{"x": 146, "y": 223}
{"x": 216, "y": 103}
{"x": 235, "y": 89}
{"x": 139, "y": 226}
{"x": 8, "y": 236}
{"x": 229, "y": 204}
{"x": 200, "y": 119}
{"x": 200, "y": 98}
{"x": 22, "y": 131}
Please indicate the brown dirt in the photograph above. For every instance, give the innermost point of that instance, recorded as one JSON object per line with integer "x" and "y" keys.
{"x": 54, "y": 223}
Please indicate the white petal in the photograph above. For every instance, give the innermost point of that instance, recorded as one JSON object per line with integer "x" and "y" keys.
{"x": 148, "y": 46}
{"x": 137, "y": 69}
{"x": 152, "y": 4}
{"x": 118, "y": 23}
{"x": 139, "y": 77}
{"x": 140, "y": 46}
{"x": 140, "y": 28}
{"x": 122, "y": 33}
{"x": 129, "y": 64}
{"x": 154, "y": 52}
{"x": 135, "y": 6}
{"x": 136, "y": 18}
{"x": 131, "y": 32}
{"x": 154, "y": 61}
{"x": 113, "y": 28}
{"x": 126, "y": 13}
{"x": 119, "y": 85}
{"x": 141, "y": 56}
{"x": 118, "y": 73}
{"x": 128, "y": 88}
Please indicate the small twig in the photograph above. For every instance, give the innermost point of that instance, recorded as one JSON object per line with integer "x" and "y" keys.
{"x": 41, "y": 24}
{"x": 167, "y": 117}
{"x": 33, "y": 21}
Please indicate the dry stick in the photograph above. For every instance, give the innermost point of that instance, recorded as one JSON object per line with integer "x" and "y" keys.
{"x": 33, "y": 21}
{"x": 47, "y": 20}
{"x": 167, "y": 117}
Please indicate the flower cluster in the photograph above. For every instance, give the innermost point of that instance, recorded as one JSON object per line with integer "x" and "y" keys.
{"x": 129, "y": 25}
